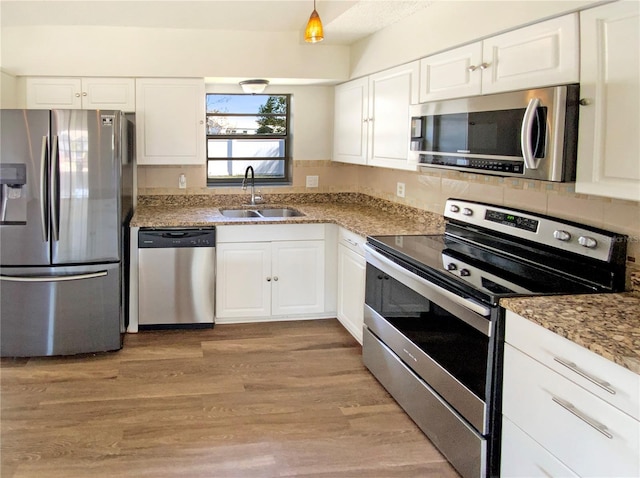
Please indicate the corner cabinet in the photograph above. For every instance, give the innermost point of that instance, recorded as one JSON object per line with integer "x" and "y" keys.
{"x": 170, "y": 121}
{"x": 566, "y": 410}
{"x": 371, "y": 123}
{"x": 279, "y": 277}
{"x": 608, "y": 147}
{"x": 81, "y": 93}
{"x": 543, "y": 54}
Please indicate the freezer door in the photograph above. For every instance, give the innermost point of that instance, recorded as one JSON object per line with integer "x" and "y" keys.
{"x": 60, "y": 311}
{"x": 23, "y": 187}
{"x": 85, "y": 196}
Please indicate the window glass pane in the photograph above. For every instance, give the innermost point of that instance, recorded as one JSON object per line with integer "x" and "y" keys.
{"x": 229, "y": 169}
{"x": 246, "y": 104}
{"x": 246, "y": 125}
{"x": 238, "y": 148}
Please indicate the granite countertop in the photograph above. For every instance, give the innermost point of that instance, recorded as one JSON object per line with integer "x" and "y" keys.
{"x": 607, "y": 324}
{"x": 360, "y": 214}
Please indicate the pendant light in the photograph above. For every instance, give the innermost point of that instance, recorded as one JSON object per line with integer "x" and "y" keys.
{"x": 313, "y": 33}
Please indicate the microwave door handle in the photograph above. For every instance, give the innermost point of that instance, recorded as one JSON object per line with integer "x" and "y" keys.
{"x": 526, "y": 133}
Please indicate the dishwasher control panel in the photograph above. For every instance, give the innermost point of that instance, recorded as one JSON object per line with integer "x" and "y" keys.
{"x": 149, "y": 238}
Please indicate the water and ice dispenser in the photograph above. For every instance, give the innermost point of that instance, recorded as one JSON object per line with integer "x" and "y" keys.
{"x": 13, "y": 194}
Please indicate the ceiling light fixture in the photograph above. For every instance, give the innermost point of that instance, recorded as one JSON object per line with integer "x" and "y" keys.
{"x": 314, "y": 33}
{"x": 254, "y": 86}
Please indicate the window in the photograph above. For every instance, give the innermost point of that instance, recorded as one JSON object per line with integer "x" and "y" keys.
{"x": 248, "y": 130}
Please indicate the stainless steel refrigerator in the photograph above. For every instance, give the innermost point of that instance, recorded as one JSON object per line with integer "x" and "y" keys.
{"x": 66, "y": 198}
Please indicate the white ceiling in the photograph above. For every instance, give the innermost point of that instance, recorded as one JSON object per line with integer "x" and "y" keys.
{"x": 345, "y": 21}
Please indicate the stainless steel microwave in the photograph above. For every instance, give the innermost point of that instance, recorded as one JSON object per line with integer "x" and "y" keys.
{"x": 528, "y": 134}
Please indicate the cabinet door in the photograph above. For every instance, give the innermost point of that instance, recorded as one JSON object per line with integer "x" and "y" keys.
{"x": 543, "y": 54}
{"x": 170, "y": 117}
{"x": 390, "y": 94}
{"x": 351, "y": 277}
{"x": 608, "y": 147}
{"x": 297, "y": 277}
{"x": 451, "y": 74}
{"x": 351, "y": 121}
{"x": 243, "y": 280}
{"x": 54, "y": 93}
{"x": 108, "y": 94}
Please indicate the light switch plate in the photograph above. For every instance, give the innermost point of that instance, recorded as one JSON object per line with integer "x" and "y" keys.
{"x": 312, "y": 181}
{"x": 400, "y": 190}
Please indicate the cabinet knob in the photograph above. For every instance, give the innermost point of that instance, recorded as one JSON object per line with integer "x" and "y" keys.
{"x": 268, "y": 279}
{"x": 201, "y": 121}
{"x": 585, "y": 101}
{"x": 275, "y": 278}
{"x": 472, "y": 68}
{"x": 77, "y": 95}
{"x": 484, "y": 66}
{"x": 84, "y": 93}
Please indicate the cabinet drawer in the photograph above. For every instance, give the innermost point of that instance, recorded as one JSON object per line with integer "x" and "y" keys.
{"x": 522, "y": 456}
{"x": 351, "y": 240}
{"x": 587, "y": 434}
{"x": 609, "y": 381}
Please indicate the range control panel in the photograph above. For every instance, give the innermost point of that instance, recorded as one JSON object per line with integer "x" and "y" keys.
{"x": 566, "y": 235}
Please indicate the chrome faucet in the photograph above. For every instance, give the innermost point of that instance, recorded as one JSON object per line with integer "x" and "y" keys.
{"x": 254, "y": 199}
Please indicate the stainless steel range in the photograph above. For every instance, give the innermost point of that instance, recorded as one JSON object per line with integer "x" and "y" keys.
{"x": 434, "y": 330}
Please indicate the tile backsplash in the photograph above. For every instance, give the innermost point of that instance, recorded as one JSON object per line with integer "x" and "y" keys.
{"x": 427, "y": 191}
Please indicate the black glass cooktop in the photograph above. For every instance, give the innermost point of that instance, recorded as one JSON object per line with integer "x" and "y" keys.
{"x": 488, "y": 272}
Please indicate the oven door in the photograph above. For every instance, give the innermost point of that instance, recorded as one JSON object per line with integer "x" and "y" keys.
{"x": 446, "y": 339}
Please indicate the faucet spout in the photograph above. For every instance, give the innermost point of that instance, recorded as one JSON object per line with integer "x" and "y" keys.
{"x": 244, "y": 184}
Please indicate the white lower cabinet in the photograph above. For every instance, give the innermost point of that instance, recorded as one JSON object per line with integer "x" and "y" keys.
{"x": 553, "y": 425}
{"x": 351, "y": 282}
{"x": 272, "y": 278}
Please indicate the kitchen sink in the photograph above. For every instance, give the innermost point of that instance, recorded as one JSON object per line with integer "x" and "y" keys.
{"x": 266, "y": 212}
{"x": 279, "y": 212}
{"x": 239, "y": 213}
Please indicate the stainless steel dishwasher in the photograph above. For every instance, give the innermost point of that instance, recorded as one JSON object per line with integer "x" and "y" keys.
{"x": 176, "y": 268}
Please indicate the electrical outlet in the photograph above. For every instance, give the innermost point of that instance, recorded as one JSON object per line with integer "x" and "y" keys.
{"x": 312, "y": 181}
{"x": 182, "y": 181}
{"x": 400, "y": 190}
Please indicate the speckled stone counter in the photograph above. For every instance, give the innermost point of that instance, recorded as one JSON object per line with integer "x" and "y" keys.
{"x": 358, "y": 213}
{"x": 607, "y": 324}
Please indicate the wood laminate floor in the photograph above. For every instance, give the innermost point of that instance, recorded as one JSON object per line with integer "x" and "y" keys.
{"x": 282, "y": 399}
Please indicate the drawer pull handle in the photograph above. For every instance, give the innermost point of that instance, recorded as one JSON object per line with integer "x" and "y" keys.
{"x": 589, "y": 421}
{"x": 351, "y": 241}
{"x": 606, "y": 386}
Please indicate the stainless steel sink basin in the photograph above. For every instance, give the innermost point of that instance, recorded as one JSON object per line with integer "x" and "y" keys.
{"x": 266, "y": 212}
{"x": 279, "y": 212}
{"x": 239, "y": 213}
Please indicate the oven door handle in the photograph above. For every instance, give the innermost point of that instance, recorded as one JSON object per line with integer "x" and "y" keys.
{"x": 466, "y": 303}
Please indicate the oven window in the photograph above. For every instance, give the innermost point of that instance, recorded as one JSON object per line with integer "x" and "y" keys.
{"x": 459, "y": 348}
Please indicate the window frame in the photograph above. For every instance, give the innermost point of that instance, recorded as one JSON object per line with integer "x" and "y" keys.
{"x": 287, "y": 159}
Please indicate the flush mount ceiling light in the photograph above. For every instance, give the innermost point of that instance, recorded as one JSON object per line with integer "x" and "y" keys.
{"x": 254, "y": 86}
{"x": 314, "y": 33}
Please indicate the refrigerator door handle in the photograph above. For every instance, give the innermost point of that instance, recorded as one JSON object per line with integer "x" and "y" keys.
{"x": 54, "y": 198}
{"x": 43, "y": 190}
{"x": 62, "y": 278}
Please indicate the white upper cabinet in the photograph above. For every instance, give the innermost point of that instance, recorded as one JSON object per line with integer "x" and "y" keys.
{"x": 170, "y": 126}
{"x": 350, "y": 122}
{"x": 451, "y": 74}
{"x": 81, "y": 93}
{"x": 542, "y": 54}
{"x": 608, "y": 147}
{"x": 371, "y": 124}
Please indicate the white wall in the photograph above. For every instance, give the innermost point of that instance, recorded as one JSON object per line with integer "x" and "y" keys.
{"x": 163, "y": 52}
{"x": 446, "y": 24}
